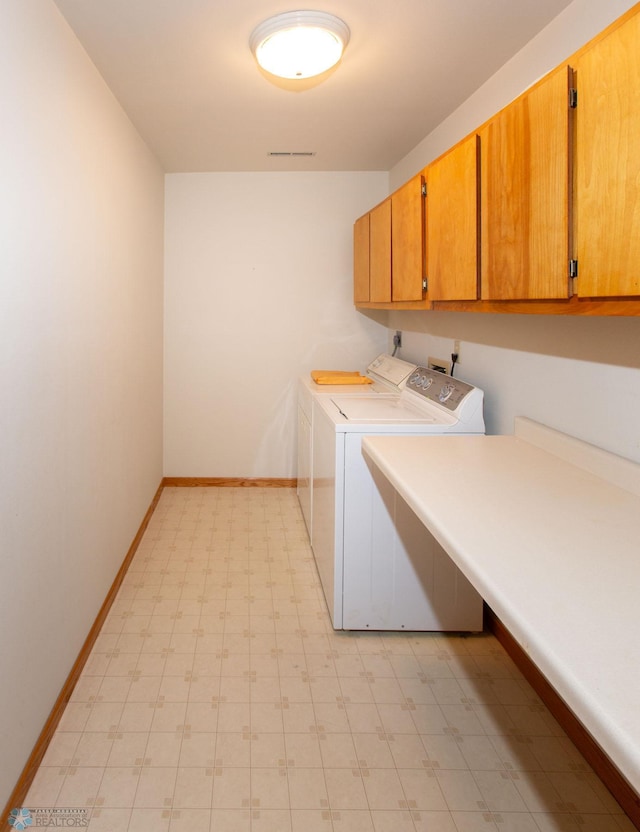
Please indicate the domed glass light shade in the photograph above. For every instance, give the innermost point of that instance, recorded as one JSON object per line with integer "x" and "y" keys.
{"x": 299, "y": 44}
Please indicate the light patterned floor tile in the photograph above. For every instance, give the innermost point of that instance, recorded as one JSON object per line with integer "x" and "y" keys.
{"x": 555, "y": 822}
{"x": 435, "y": 822}
{"x": 194, "y": 788}
{"x": 331, "y": 718}
{"x": 136, "y": 716}
{"x": 156, "y": 787}
{"x": 270, "y": 820}
{"x": 269, "y": 788}
{"x": 539, "y": 793}
{"x": 517, "y": 753}
{"x": 109, "y": 820}
{"x": 498, "y": 789}
{"x": 352, "y": 821}
{"x": 149, "y": 820}
{"x": 46, "y": 786}
{"x": 62, "y": 748}
{"x": 421, "y": 790}
{"x": 232, "y": 788}
{"x": 307, "y": 788}
{"x": 104, "y": 716}
{"x": 383, "y": 789}
{"x": 338, "y": 751}
{"x": 302, "y": 750}
{"x": 461, "y": 791}
{"x": 268, "y": 717}
{"x": 373, "y": 751}
{"x": 395, "y": 821}
{"x": 190, "y": 820}
{"x": 80, "y": 788}
{"x": 311, "y": 820}
{"x": 475, "y": 822}
{"x": 267, "y": 750}
{"x": 218, "y": 698}
{"x": 362, "y": 717}
{"x": 231, "y": 820}
{"x": 345, "y": 789}
{"x": 93, "y": 749}
{"x": 577, "y": 793}
{"x": 118, "y": 787}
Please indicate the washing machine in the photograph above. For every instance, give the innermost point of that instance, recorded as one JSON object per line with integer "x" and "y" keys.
{"x": 379, "y": 566}
{"x": 388, "y": 376}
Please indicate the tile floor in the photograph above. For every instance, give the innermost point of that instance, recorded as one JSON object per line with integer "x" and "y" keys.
{"x": 219, "y": 699}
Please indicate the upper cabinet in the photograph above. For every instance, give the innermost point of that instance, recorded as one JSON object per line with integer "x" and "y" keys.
{"x": 608, "y": 164}
{"x": 388, "y": 245}
{"x": 407, "y": 241}
{"x": 525, "y": 195}
{"x": 380, "y": 253}
{"x": 361, "y": 260}
{"x": 372, "y": 256}
{"x": 451, "y": 218}
{"x": 537, "y": 211}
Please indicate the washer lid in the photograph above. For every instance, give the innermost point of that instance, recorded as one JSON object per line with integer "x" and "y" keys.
{"x": 378, "y": 410}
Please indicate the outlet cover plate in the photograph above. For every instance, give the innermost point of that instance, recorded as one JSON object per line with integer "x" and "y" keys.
{"x": 439, "y": 364}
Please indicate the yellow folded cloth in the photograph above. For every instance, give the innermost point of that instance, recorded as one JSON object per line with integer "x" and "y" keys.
{"x": 339, "y": 377}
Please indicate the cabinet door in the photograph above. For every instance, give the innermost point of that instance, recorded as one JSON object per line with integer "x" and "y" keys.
{"x": 380, "y": 253}
{"x": 407, "y": 221}
{"x": 608, "y": 165}
{"x": 452, "y": 223}
{"x": 525, "y": 195}
{"x": 361, "y": 260}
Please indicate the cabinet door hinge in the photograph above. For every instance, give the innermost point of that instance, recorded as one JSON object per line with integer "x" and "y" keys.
{"x": 573, "y": 268}
{"x": 573, "y": 98}
{"x": 424, "y": 189}
{"x": 425, "y": 284}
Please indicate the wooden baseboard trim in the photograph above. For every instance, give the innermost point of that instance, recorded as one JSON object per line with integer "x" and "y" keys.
{"x": 575, "y": 730}
{"x": 23, "y": 785}
{"x": 228, "y": 482}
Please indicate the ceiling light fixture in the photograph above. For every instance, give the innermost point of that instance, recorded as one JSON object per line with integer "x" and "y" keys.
{"x": 299, "y": 44}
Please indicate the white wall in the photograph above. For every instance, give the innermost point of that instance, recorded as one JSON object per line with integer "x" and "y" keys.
{"x": 582, "y": 375}
{"x": 81, "y": 225}
{"x": 258, "y": 289}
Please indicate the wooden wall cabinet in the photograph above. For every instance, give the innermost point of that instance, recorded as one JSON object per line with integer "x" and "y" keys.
{"x": 407, "y": 241}
{"x": 524, "y": 212}
{"x": 361, "y": 260}
{"x": 451, "y": 223}
{"x": 608, "y": 164}
{"x": 380, "y": 253}
{"x": 388, "y": 245}
{"x": 538, "y": 211}
{"x": 372, "y": 255}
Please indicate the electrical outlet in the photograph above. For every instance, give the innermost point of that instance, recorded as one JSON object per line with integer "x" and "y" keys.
{"x": 440, "y": 365}
{"x": 456, "y": 350}
{"x": 397, "y": 339}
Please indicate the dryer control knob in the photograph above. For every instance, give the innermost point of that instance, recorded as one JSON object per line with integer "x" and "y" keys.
{"x": 446, "y": 392}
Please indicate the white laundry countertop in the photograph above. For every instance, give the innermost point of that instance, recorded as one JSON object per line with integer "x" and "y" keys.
{"x": 547, "y": 529}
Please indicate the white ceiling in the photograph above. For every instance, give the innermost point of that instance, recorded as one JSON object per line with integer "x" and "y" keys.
{"x": 183, "y": 71}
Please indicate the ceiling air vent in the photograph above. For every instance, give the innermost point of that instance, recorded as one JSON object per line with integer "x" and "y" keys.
{"x": 291, "y": 153}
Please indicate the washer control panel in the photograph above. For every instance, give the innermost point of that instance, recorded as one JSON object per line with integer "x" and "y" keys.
{"x": 392, "y": 370}
{"x": 437, "y": 387}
